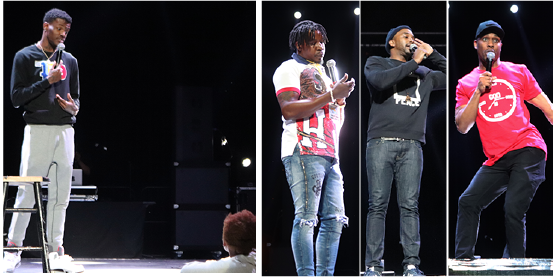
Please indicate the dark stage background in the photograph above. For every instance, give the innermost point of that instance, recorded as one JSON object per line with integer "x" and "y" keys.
{"x": 341, "y": 25}
{"x": 522, "y": 44}
{"x": 145, "y": 68}
{"x": 428, "y": 23}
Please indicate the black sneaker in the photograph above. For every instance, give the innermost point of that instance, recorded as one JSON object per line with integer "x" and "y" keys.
{"x": 371, "y": 272}
{"x": 412, "y": 270}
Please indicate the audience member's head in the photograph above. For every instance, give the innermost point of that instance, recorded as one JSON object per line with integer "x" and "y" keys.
{"x": 239, "y": 233}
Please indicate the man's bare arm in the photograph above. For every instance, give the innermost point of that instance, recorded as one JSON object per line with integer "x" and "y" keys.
{"x": 544, "y": 104}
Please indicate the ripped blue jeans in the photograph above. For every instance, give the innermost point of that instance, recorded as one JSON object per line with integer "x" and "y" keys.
{"x": 317, "y": 189}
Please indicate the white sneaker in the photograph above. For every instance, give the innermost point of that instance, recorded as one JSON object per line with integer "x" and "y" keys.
{"x": 63, "y": 263}
{"x": 11, "y": 261}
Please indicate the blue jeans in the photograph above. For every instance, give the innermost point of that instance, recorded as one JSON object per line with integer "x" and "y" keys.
{"x": 317, "y": 188}
{"x": 517, "y": 174}
{"x": 399, "y": 161}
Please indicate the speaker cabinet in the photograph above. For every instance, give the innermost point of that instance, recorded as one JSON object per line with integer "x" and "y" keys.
{"x": 200, "y": 229}
{"x": 202, "y": 186}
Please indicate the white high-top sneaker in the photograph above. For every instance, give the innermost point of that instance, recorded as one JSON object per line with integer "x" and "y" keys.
{"x": 11, "y": 261}
{"x": 63, "y": 263}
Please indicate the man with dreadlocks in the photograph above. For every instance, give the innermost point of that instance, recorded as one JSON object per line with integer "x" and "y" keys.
{"x": 400, "y": 89}
{"x": 312, "y": 113}
{"x": 49, "y": 94}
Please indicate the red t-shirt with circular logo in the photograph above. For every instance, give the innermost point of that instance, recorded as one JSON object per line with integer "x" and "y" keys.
{"x": 503, "y": 120}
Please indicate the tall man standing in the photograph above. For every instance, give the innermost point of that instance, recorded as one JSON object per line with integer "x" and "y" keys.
{"x": 516, "y": 151}
{"x": 312, "y": 113}
{"x": 400, "y": 89}
{"x": 49, "y": 95}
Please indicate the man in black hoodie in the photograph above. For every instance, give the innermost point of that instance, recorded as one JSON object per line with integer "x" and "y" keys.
{"x": 400, "y": 91}
{"x": 48, "y": 92}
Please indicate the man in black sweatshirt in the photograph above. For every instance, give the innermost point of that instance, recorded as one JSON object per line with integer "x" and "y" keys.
{"x": 400, "y": 89}
{"x": 48, "y": 91}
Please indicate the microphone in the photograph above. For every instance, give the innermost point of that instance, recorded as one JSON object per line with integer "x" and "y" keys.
{"x": 491, "y": 57}
{"x": 413, "y": 48}
{"x": 331, "y": 64}
{"x": 61, "y": 47}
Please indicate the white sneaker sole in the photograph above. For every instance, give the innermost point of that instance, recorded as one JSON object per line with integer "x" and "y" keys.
{"x": 12, "y": 270}
{"x": 63, "y": 271}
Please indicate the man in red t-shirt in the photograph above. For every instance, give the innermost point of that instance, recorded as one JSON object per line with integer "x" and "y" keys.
{"x": 493, "y": 98}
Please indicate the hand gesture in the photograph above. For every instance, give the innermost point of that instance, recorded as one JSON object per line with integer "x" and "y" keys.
{"x": 69, "y": 105}
{"x": 342, "y": 89}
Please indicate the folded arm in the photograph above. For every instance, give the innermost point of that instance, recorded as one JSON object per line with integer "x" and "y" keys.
{"x": 293, "y": 108}
{"x": 382, "y": 78}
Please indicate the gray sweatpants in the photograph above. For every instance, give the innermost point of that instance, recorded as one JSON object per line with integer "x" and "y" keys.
{"x": 48, "y": 150}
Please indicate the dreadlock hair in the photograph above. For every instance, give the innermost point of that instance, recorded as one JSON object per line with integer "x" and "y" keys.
{"x": 304, "y": 31}
{"x": 52, "y": 14}
{"x": 239, "y": 231}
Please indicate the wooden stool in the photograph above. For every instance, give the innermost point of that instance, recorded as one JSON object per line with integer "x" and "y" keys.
{"x": 37, "y": 187}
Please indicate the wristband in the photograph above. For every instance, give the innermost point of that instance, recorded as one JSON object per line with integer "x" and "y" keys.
{"x": 332, "y": 96}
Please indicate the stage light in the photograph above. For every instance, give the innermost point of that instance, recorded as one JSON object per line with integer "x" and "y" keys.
{"x": 297, "y": 15}
{"x": 224, "y": 141}
{"x": 514, "y": 9}
{"x": 246, "y": 162}
{"x": 356, "y": 11}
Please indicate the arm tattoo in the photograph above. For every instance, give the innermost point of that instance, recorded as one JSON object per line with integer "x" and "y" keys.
{"x": 312, "y": 84}
{"x": 287, "y": 96}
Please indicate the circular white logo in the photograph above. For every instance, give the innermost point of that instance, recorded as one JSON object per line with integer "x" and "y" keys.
{"x": 500, "y": 103}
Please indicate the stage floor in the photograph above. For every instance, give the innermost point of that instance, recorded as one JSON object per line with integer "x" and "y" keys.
{"x": 501, "y": 267}
{"x": 114, "y": 266}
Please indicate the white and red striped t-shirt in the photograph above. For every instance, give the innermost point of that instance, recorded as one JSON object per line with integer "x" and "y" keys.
{"x": 317, "y": 134}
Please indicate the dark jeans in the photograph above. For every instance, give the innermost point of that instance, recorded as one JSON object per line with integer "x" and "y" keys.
{"x": 387, "y": 161}
{"x": 518, "y": 173}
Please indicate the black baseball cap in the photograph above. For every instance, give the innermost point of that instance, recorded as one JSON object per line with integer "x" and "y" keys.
{"x": 391, "y": 35}
{"x": 487, "y": 27}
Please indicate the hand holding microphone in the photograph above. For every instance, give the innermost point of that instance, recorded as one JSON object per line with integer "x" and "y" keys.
{"x": 420, "y": 50}
{"x": 485, "y": 82}
{"x": 54, "y": 75}
{"x": 341, "y": 88}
